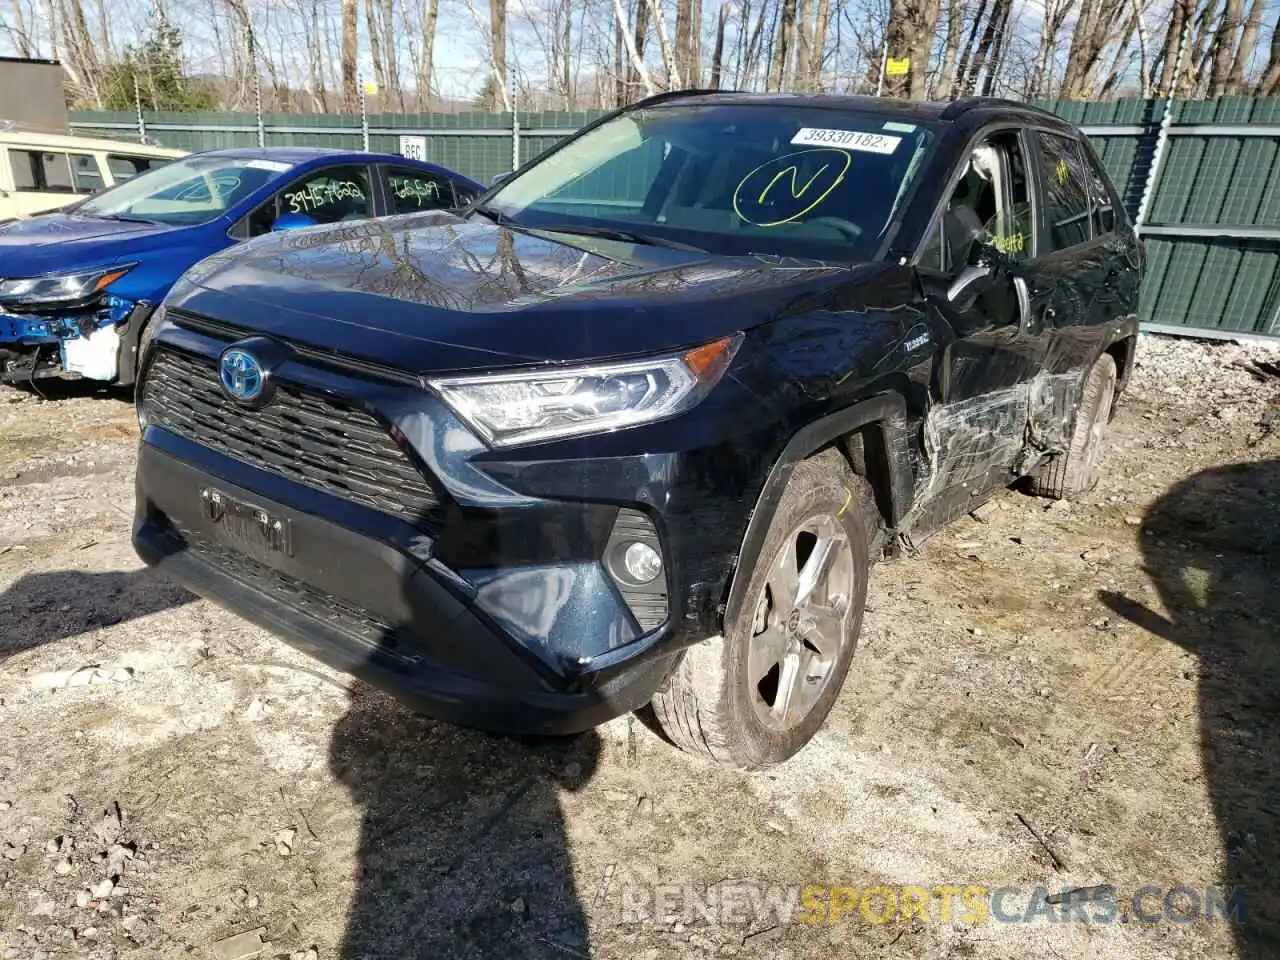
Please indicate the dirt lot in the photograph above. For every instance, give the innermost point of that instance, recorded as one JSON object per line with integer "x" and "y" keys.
{"x": 1057, "y": 697}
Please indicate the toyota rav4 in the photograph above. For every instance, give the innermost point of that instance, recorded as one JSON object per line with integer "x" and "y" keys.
{"x": 632, "y": 428}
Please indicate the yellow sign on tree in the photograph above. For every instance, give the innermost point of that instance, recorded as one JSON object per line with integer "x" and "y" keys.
{"x": 897, "y": 68}
{"x": 370, "y": 87}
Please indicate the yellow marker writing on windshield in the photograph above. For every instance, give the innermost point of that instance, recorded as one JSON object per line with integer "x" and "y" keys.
{"x": 829, "y": 176}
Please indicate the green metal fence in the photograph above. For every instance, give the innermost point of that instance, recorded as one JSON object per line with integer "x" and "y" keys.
{"x": 1213, "y": 219}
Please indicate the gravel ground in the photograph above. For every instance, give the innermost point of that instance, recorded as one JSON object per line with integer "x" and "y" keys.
{"x": 1053, "y": 697}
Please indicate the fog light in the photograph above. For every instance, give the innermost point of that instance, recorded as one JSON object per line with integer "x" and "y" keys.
{"x": 633, "y": 559}
{"x": 642, "y": 562}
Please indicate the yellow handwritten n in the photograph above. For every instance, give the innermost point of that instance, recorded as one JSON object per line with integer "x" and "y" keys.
{"x": 796, "y": 191}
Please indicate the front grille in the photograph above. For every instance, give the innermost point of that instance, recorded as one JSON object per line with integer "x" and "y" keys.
{"x": 308, "y": 437}
{"x": 355, "y": 623}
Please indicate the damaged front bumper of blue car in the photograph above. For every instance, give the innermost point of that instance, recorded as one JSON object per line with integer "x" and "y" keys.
{"x": 91, "y": 341}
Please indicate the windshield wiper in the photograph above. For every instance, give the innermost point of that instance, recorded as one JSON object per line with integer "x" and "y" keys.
{"x": 586, "y": 230}
{"x": 625, "y": 236}
{"x": 123, "y": 218}
{"x": 497, "y": 216}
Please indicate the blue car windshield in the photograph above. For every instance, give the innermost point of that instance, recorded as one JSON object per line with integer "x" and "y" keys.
{"x": 190, "y": 191}
{"x": 729, "y": 178}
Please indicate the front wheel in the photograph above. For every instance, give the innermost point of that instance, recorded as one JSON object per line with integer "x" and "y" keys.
{"x": 757, "y": 694}
{"x": 1077, "y": 471}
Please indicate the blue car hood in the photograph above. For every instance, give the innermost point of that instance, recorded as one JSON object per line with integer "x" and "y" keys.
{"x": 62, "y": 241}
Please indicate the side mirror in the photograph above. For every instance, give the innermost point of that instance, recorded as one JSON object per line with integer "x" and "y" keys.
{"x": 500, "y": 177}
{"x": 292, "y": 221}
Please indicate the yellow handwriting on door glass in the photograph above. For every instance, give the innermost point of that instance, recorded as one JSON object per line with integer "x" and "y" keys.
{"x": 799, "y": 198}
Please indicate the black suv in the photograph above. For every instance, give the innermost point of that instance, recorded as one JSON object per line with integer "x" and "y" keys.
{"x": 634, "y": 426}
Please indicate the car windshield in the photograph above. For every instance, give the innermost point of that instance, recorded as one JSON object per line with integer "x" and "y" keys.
{"x": 190, "y": 191}
{"x": 729, "y": 179}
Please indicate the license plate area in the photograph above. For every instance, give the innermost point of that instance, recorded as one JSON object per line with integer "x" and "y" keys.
{"x": 249, "y": 528}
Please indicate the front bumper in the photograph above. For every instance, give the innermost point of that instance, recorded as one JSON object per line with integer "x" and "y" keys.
{"x": 85, "y": 344}
{"x": 366, "y": 608}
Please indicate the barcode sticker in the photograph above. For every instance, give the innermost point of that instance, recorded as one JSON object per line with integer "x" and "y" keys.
{"x": 846, "y": 140}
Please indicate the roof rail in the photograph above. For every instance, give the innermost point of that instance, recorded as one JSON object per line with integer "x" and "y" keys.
{"x": 963, "y": 105}
{"x": 675, "y": 95}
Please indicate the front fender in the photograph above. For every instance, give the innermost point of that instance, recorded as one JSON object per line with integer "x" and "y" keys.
{"x": 889, "y": 468}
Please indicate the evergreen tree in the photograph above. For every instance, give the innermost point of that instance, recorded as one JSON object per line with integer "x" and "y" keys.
{"x": 156, "y": 65}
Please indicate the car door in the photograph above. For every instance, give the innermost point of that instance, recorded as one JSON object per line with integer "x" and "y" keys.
{"x": 986, "y": 368}
{"x": 1083, "y": 276}
{"x": 317, "y": 196}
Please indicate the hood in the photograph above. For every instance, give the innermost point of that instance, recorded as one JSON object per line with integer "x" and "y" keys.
{"x": 58, "y": 241}
{"x": 438, "y": 292}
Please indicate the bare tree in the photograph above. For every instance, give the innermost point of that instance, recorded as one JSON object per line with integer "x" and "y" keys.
{"x": 782, "y": 44}
{"x": 375, "y": 45}
{"x": 664, "y": 44}
{"x": 1224, "y": 46}
{"x": 1248, "y": 46}
{"x": 688, "y": 27}
{"x": 1269, "y": 82}
{"x": 18, "y": 32}
{"x": 1096, "y": 28}
{"x": 350, "y": 39}
{"x": 717, "y": 56}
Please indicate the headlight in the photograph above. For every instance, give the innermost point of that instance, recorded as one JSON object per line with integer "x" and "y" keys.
{"x": 523, "y": 407}
{"x": 60, "y": 288}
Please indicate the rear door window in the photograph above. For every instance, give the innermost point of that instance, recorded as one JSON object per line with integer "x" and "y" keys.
{"x": 1067, "y": 180}
{"x": 416, "y": 190}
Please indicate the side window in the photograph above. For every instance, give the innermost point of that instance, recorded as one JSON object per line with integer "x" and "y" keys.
{"x": 1067, "y": 182}
{"x": 990, "y": 204}
{"x": 1104, "y": 211}
{"x": 327, "y": 196}
{"x": 85, "y": 173}
{"x": 1012, "y": 231}
{"x": 55, "y": 173}
{"x": 25, "y": 167}
{"x": 126, "y": 168}
{"x": 330, "y": 195}
{"x": 414, "y": 190}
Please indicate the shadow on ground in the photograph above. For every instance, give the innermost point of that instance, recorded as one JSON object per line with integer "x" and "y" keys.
{"x": 463, "y": 852}
{"x": 1211, "y": 546}
{"x": 42, "y": 608}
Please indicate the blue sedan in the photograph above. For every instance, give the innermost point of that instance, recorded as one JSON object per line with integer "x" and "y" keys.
{"x": 78, "y": 286}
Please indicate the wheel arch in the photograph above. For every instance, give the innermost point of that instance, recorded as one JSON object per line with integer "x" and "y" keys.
{"x": 872, "y": 436}
{"x": 130, "y": 337}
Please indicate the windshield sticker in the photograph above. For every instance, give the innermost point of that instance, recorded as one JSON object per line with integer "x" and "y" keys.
{"x": 317, "y": 195}
{"x": 846, "y": 140}
{"x": 272, "y": 166}
{"x": 893, "y": 126}
{"x": 786, "y": 188}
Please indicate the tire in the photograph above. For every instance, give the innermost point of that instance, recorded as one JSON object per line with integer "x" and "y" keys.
{"x": 1077, "y": 471}
{"x": 711, "y": 704}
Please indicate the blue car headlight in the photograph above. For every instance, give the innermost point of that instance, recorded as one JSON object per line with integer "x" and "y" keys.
{"x": 60, "y": 289}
